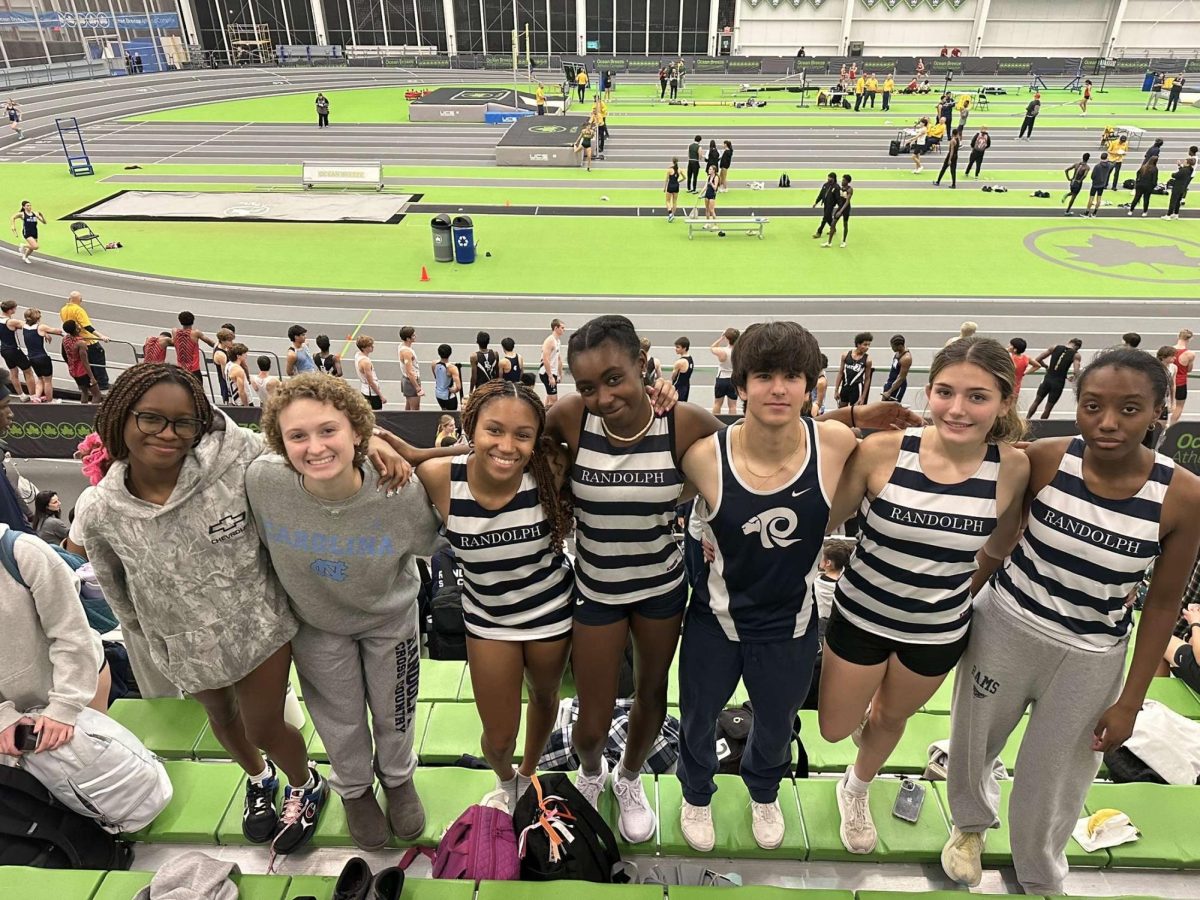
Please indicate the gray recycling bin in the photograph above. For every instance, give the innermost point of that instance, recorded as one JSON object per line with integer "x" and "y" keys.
{"x": 464, "y": 239}
{"x": 443, "y": 244}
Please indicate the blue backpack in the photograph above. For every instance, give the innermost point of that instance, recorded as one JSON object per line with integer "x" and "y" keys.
{"x": 99, "y": 614}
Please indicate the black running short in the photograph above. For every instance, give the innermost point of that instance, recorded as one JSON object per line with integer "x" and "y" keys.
{"x": 1180, "y": 392}
{"x": 43, "y": 366}
{"x": 15, "y": 358}
{"x": 723, "y": 389}
{"x": 1051, "y": 388}
{"x": 864, "y": 648}
{"x": 1097, "y": 190}
{"x": 551, "y": 389}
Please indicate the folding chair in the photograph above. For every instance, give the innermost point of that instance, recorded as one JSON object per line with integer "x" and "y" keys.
{"x": 85, "y": 237}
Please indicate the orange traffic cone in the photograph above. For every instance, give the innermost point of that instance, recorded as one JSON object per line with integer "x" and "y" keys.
{"x": 424, "y": 274}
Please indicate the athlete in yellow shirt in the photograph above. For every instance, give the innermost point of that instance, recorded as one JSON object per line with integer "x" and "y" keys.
{"x": 872, "y": 89}
{"x": 581, "y": 82}
{"x": 859, "y": 87}
{"x": 889, "y": 86}
{"x": 539, "y": 95}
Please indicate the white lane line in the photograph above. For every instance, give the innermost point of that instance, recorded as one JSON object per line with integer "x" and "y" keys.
{"x": 202, "y": 143}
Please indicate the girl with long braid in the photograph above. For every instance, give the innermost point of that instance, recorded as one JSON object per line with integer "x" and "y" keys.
{"x": 169, "y": 533}
{"x": 507, "y": 518}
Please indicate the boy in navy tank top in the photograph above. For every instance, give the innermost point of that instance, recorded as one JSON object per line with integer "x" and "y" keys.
{"x": 764, "y": 489}
{"x": 681, "y": 372}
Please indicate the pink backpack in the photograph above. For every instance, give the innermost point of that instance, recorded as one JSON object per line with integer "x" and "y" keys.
{"x": 480, "y": 845}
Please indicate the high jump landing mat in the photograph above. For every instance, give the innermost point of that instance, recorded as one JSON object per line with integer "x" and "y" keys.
{"x": 541, "y": 141}
{"x": 474, "y": 104}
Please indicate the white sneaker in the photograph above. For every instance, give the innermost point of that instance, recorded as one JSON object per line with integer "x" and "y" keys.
{"x": 28, "y": 261}
{"x": 592, "y": 786}
{"x": 697, "y": 825}
{"x": 961, "y": 857}
{"x": 858, "y": 830}
{"x": 823, "y": 246}
{"x": 843, "y": 243}
{"x": 637, "y": 821}
{"x": 767, "y": 824}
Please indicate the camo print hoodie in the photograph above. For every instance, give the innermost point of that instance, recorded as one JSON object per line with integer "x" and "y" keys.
{"x": 198, "y": 601}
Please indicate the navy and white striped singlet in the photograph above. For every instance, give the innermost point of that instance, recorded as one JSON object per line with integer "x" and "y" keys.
{"x": 910, "y": 576}
{"x": 515, "y": 587}
{"x": 1081, "y": 555}
{"x": 625, "y": 500}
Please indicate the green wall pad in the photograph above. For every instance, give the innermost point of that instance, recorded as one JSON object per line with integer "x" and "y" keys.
{"x": 731, "y": 818}
{"x": 441, "y": 680}
{"x": 997, "y": 850}
{"x": 29, "y": 883}
{"x": 898, "y": 841}
{"x": 909, "y": 757}
{"x": 446, "y": 792}
{"x": 1174, "y": 694}
{"x": 316, "y": 746}
{"x": 203, "y": 794}
{"x": 454, "y": 729}
{"x": 123, "y": 885}
{"x": 576, "y": 890}
{"x": 168, "y": 727}
{"x": 1165, "y": 814}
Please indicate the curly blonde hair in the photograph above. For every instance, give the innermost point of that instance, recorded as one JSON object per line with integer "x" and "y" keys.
{"x": 323, "y": 389}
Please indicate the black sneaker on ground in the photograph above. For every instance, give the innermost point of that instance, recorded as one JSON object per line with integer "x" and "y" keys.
{"x": 259, "y": 817}
{"x": 301, "y": 812}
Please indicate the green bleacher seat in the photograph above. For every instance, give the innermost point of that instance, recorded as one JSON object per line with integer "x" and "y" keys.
{"x": 446, "y": 792}
{"x": 203, "y": 793}
{"x": 454, "y": 729}
{"x": 920, "y": 895}
{"x": 316, "y": 746}
{"x": 731, "y": 816}
{"x": 763, "y": 892}
{"x": 294, "y": 680}
{"x": 909, "y": 757}
{"x": 998, "y": 851}
{"x": 321, "y": 887}
{"x": 318, "y": 886}
{"x": 441, "y": 680}
{"x": 1174, "y": 694}
{"x": 168, "y": 727}
{"x": 208, "y": 747}
{"x": 1165, "y": 814}
{"x": 898, "y": 841}
{"x": 123, "y": 886}
{"x": 331, "y": 830}
{"x": 576, "y": 890}
{"x": 28, "y": 883}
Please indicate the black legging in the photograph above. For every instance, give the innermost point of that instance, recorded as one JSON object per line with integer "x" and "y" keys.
{"x": 1142, "y": 194}
{"x": 1027, "y": 127}
{"x": 976, "y": 160}
{"x": 1116, "y": 175}
{"x": 951, "y": 163}
{"x": 693, "y": 174}
{"x": 1178, "y": 192}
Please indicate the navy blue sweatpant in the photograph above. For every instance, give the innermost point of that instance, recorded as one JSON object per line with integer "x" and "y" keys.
{"x": 777, "y": 675}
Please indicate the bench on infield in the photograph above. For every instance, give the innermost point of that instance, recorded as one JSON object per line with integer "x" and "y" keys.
{"x": 752, "y": 225}
{"x": 342, "y": 174}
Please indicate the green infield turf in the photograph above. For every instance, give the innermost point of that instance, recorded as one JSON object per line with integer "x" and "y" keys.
{"x": 637, "y": 105}
{"x": 913, "y": 256}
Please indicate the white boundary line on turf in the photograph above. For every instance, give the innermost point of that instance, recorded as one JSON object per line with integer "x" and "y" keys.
{"x": 192, "y": 147}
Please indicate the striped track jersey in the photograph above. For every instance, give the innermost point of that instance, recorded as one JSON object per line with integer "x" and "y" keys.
{"x": 1081, "y": 555}
{"x": 625, "y": 500}
{"x": 909, "y": 579}
{"x": 515, "y": 587}
{"x": 767, "y": 545}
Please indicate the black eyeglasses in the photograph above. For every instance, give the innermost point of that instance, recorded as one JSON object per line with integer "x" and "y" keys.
{"x": 153, "y": 423}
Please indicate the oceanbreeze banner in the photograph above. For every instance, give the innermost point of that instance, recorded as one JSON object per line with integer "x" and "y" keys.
{"x": 54, "y": 431}
{"x": 162, "y": 21}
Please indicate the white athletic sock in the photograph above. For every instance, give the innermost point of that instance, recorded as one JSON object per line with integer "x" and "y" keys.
{"x": 855, "y": 785}
{"x": 622, "y": 772}
{"x": 308, "y": 785}
{"x": 261, "y": 777}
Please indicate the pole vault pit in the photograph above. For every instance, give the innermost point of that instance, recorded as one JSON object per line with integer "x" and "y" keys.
{"x": 541, "y": 141}
{"x": 499, "y": 104}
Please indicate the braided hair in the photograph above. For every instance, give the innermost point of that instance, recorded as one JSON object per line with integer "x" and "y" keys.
{"x": 555, "y": 505}
{"x": 129, "y": 388}
{"x": 616, "y": 330}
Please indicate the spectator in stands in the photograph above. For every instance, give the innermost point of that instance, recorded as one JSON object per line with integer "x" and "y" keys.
{"x": 965, "y": 330}
{"x": 220, "y": 357}
{"x": 484, "y": 362}
{"x": 78, "y": 365}
{"x": 365, "y": 369}
{"x": 299, "y": 356}
{"x": 653, "y": 370}
{"x": 551, "y": 368}
{"x": 73, "y": 311}
{"x": 955, "y": 53}
{"x": 325, "y": 359}
{"x": 236, "y": 375}
{"x": 1022, "y": 364}
{"x": 512, "y": 364}
{"x": 138, "y": 65}
{"x": 410, "y": 369}
{"x": 723, "y": 390}
{"x": 263, "y": 383}
{"x": 47, "y": 518}
{"x": 1173, "y": 96}
{"x": 945, "y": 51}
{"x": 202, "y": 612}
{"x": 53, "y": 661}
{"x": 14, "y": 356}
{"x": 447, "y": 432}
{"x": 357, "y": 649}
{"x": 37, "y": 337}
{"x": 1185, "y": 359}
{"x": 1031, "y": 114}
{"x": 517, "y": 600}
{"x": 447, "y": 384}
{"x": 1131, "y": 339}
{"x": 154, "y": 350}
{"x": 322, "y": 111}
{"x": 186, "y": 340}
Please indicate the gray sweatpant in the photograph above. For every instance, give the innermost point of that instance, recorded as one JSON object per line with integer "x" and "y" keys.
{"x": 344, "y": 675}
{"x": 1007, "y": 668}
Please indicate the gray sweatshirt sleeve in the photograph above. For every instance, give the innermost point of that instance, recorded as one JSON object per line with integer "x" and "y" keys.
{"x": 426, "y": 524}
{"x": 74, "y": 649}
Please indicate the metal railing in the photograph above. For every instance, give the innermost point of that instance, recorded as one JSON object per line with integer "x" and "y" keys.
{"x": 56, "y": 73}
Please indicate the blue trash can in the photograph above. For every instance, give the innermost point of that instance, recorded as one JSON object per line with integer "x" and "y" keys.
{"x": 463, "y": 230}
{"x": 1148, "y": 81}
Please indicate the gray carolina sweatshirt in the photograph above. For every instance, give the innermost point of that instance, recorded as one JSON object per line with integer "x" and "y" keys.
{"x": 348, "y": 566}
{"x": 199, "y": 605}
{"x": 51, "y": 657}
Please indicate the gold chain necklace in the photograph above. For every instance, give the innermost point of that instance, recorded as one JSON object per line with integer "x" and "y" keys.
{"x": 622, "y": 438}
{"x": 746, "y": 457}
